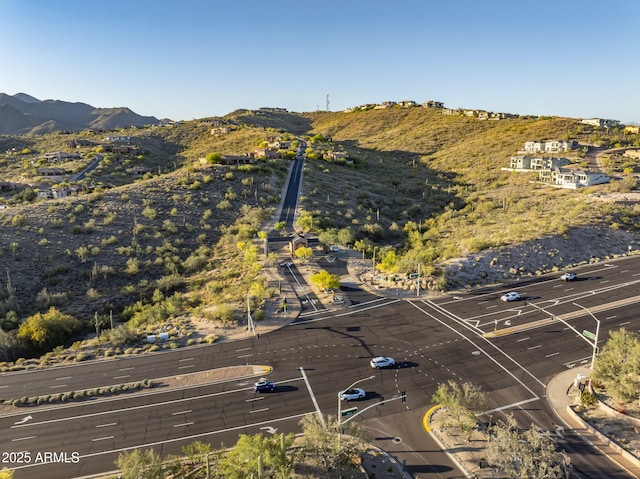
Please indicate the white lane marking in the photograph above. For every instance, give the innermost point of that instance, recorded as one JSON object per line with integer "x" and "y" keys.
{"x": 245, "y": 356}
{"x": 242, "y": 349}
{"x": 58, "y": 386}
{"x": 535, "y": 347}
{"x": 23, "y": 438}
{"x": 184, "y": 424}
{"x": 107, "y": 425}
{"x": 259, "y": 410}
{"x": 126, "y": 369}
{"x": 186, "y": 367}
{"x": 186, "y": 411}
{"x": 102, "y": 438}
{"x": 510, "y": 406}
{"x": 254, "y": 399}
{"x": 611, "y": 317}
{"x": 551, "y": 355}
{"x": 64, "y": 378}
{"x": 122, "y": 377}
{"x": 625, "y": 323}
{"x": 523, "y": 339}
{"x": 186, "y": 359}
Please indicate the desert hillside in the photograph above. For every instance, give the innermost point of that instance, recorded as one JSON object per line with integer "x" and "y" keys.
{"x": 153, "y": 222}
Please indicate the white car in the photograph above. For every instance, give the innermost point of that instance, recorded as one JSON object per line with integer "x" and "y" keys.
{"x": 334, "y": 248}
{"x": 568, "y": 276}
{"x": 351, "y": 394}
{"x": 382, "y": 362}
{"x": 510, "y": 296}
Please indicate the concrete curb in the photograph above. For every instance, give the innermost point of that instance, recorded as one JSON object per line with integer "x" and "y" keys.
{"x": 608, "y": 442}
{"x": 443, "y": 445}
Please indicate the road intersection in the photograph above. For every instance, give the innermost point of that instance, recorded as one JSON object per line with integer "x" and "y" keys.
{"x": 433, "y": 339}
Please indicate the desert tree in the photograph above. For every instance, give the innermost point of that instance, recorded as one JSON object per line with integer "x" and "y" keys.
{"x": 618, "y": 365}
{"x": 322, "y": 445}
{"x": 304, "y": 253}
{"x": 462, "y": 402}
{"x": 257, "y": 456}
{"x": 329, "y": 236}
{"x": 139, "y": 464}
{"x": 325, "y": 280}
{"x": 528, "y": 454}
{"x": 48, "y": 330}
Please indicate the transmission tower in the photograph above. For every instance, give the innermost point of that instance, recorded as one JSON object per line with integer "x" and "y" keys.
{"x": 327, "y": 102}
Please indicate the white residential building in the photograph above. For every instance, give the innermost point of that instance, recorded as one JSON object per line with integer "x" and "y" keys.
{"x": 570, "y": 178}
{"x": 549, "y": 146}
{"x": 535, "y": 163}
{"x": 600, "y": 122}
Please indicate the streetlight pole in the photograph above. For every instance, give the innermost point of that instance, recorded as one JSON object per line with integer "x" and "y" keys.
{"x": 340, "y": 405}
{"x": 251, "y": 326}
{"x": 595, "y": 341}
{"x": 418, "y": 283}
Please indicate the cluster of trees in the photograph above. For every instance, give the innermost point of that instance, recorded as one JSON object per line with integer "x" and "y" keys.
{"x": 257, "y": 456}
{"x": 618, "y": 365}
{"x": 511, "y": 451}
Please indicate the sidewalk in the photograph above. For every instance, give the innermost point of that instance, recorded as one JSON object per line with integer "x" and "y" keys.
{"x": 561, "y": 401}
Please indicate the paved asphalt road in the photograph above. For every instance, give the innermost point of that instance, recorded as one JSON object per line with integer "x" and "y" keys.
{"x": 434, "y": 340}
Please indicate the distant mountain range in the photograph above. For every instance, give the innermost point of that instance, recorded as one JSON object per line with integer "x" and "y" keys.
{"x": 22, "y": 113}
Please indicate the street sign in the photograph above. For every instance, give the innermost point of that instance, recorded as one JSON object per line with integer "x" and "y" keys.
{"x": 414, "y": 276}
{"x": 348, "y": 412}
{"x": 589, "y": 334}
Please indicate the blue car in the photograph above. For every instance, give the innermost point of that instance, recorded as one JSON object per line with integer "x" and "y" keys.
{"x": 263, "y": 386}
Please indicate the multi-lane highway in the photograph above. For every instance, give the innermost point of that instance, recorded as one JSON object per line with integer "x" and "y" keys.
{"x": 448, "y": 337}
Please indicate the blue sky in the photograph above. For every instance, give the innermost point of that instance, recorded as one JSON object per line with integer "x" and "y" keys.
{"x": 196, "y": 58}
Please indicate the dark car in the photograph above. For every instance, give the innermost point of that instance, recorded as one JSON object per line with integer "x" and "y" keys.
{"x": 263, "y": 386}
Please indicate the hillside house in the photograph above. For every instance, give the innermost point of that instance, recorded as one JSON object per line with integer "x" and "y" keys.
{"x": 407, "y": 103}
{"x": 220, "y": 130}
{"x": 55, "y": 193}
{"x": 233, "y": 160}
{"x": 600, "y": 122}
{"x": 550, "y": 146}
{"x": 118, "y": 139}
{"x": 265, "y": 153}
{"x": 632, "y": 154}
{"x": 433, "y": 104}
{"x": 570, "y": 178}
{"x": 78, "y": 143}
{"x": 500, "y": 116}
{"x": 279, "y": 144}
{"x": 533, "y": 163}
{"x": 632, "y": 129}
{"x": 337, "y": 155}
{"x": 385, "y": 104}
{"x": 60, "y": 156}
{"x": 52, "y": 172}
